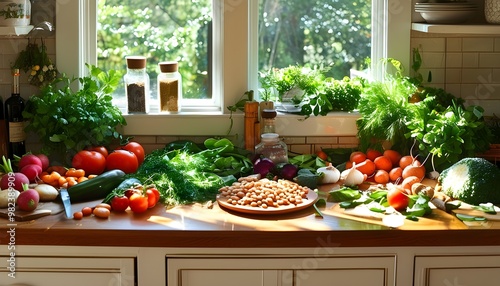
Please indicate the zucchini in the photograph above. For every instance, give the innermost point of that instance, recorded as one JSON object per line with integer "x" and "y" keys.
{"x": 96, "y": 188}
{"x": 121, "y": 188}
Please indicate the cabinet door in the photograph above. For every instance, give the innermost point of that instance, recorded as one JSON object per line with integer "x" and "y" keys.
{"x": 457, "y": 270}
{"x": 50, "y": 271}
{"x": 314, "y": 271}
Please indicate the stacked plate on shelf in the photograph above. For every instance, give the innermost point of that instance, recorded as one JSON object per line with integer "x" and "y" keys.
{"x": 453, "y": 12}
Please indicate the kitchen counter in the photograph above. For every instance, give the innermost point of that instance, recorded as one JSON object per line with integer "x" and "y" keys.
{"x": 204, "y": 226}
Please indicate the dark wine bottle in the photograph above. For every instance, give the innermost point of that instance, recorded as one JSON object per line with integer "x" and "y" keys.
{"x": 3, "y": 132}
{"x": 14, "y": 107}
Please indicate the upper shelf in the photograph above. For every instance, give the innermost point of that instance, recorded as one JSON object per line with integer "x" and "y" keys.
{"x": 479, "y": 29}
{"x": 15, "y": 31}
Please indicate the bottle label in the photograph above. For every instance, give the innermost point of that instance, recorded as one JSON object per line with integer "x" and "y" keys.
{"x": 16, "y": 132}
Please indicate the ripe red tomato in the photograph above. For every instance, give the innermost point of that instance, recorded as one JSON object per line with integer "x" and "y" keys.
{"x": 122, "y": 160}
{"x": 100, "y": 149}
{"x": 135, "y": 148}
{"x": 119, "y": 203}
{"x": 138, "y": 203}
{"x": 398, "y": 198}
{"x": 153, "y": 197}
{"x": 92, "y": 162}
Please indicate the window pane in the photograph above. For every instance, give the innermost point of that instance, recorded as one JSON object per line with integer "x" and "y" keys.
{"x": 161, "y": 30}
{"x": 314, "y": 33}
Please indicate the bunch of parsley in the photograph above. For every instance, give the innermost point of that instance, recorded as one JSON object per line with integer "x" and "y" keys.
{"x": 67, "y": 120}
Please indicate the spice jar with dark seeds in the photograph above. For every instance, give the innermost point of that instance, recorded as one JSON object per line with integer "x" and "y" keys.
{"x": 137, "y": 85}
{"x": 169, "y": 87}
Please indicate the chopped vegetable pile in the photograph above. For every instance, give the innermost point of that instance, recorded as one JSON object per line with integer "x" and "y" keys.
{"x": 184, "y": 173}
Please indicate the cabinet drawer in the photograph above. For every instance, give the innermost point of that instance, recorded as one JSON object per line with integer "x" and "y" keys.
{"x": 267, "y": 271}
{"x": 49, "y": 271}
{"x": 457, "y": 270}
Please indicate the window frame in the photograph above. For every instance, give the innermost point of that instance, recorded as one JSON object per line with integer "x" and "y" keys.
{"x": 234, "y": 62}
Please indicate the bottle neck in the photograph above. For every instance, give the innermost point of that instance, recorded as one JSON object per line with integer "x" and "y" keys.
{"x": 15, "y": 85}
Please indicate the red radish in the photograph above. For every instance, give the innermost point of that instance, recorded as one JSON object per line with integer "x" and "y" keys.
{"x": 32, "y": 171}
{"x": 29, "y": 159}
{"x": 45, "y": 161}
{"x": 14, "y": 180}
{"x": 28, "y": 200}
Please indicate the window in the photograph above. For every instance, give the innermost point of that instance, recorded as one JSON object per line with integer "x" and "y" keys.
{"x": 237, "y": 49}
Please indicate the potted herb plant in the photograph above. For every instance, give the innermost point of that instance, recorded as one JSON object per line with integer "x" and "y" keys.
{"x": 67, "y": 120}
{"x": 288, "y": 86}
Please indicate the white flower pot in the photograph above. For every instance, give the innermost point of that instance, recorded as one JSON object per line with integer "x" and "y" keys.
{"x": 492, "y": 11}
{"x": 15, "y": 13}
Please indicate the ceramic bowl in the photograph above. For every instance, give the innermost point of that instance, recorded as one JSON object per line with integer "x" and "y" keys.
{"x": 446, "y": 17}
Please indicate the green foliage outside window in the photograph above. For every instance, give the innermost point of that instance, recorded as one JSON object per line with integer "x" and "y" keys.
{"x": 308, "y": 33}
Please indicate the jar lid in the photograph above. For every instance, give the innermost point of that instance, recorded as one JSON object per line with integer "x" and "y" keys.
{"x": 269, "y": 136}
{"x": 136, "y": 62}
{"x": 269, "y": 113}
{"x": 168, "y": 66}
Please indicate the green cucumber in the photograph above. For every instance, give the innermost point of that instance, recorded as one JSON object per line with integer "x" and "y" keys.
{"x": 96, "y": 188}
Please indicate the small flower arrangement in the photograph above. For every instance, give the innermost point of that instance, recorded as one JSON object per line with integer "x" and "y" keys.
{"x": 35, "y": 61}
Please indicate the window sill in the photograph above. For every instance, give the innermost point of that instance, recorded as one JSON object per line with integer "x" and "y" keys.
{"x": 217, "y": 124}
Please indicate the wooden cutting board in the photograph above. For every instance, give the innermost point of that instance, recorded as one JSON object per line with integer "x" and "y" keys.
{"x": 43, "y": 209}
{"x": 438, "y": 219}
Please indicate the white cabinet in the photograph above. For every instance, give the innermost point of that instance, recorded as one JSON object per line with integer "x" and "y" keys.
{"x": 273, "y": 271}
{"x": 457, "y": 270}
{"x": 50, "y": 271}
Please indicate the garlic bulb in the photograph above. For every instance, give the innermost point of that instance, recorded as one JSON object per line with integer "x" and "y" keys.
{"x": 329, "y": 174}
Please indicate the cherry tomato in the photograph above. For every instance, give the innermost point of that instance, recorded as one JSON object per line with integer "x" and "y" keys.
{"x": 152, "y": 198}
{"x": 137, "y": 149}
{"x": 138, "y": 203}
{"x": 100, "y": 149}
{"x": 119, "y": 203}
{"x": 322, "y": 155}
{"x": 122, "y": 160}
{"x": 91, "y": 162}
{"x": 157, "y": 194}
{"x": 129, "y": 193}
{"x": 398, "y": 198}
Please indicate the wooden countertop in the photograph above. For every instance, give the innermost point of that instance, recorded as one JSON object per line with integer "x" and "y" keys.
{"x": 199, "y": 226}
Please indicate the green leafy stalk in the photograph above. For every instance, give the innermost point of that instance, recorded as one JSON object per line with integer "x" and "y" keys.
{"x": 72, "y": 120}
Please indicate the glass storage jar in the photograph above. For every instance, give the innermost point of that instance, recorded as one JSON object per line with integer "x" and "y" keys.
{"x": 169, "y": 87}
{"x": 273, "y": 148}
{"x": 137, "y": 85}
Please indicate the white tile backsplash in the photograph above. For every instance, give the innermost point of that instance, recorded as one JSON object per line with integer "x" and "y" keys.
{"x": 453, "y": 76}
{"x": 433, "y": 60}
{"x": 470, "y": 60}
{"x": 454, "y": 44}
{"x": 478, "y": 44}
{"x": 489, "y": 60}
{"x": 453, "y": 60}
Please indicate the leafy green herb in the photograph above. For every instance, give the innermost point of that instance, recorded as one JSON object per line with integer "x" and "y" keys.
{"x": 305, "y": 79}
{"x": 336, "y": 95}
{"x": 73, "y": 120}
{"x": 344, "y": 194}
{"x": 179, "y": 176}
{"x": 385, "y": 108}
{"x": 450, "y": 133}
{"x": 240, "y": 105}
{"x": 321, "y": 203}
{"x": 306, "y": 177}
